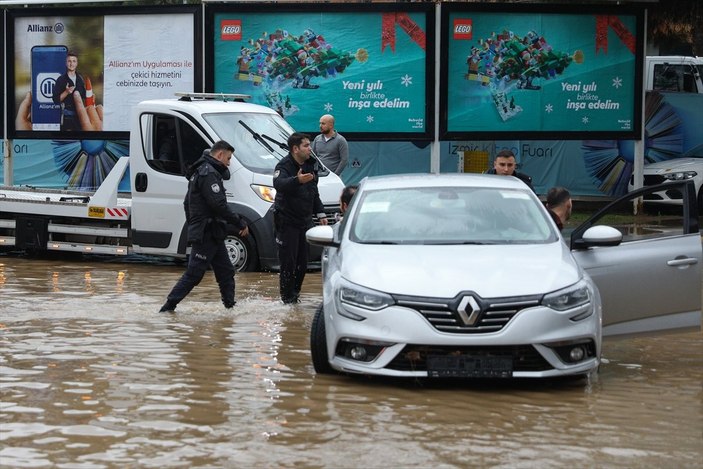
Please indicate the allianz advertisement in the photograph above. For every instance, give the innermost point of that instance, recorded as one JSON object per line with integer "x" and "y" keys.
{"x": 78, "y": 73}
{"x": 74, "y": 76}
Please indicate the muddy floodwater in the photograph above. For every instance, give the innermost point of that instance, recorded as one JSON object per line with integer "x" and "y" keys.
{"x": 91, "y": 376}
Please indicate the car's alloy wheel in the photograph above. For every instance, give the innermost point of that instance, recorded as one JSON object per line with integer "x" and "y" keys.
{"x": 318, "y": 343}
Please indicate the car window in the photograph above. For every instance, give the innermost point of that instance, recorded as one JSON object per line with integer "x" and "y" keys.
{"x": 651, "y": 221}
{"x": 450, "y": 215}
{"x": 170, "y": 143}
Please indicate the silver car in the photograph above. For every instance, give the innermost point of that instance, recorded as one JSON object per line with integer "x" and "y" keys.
{"x": 468, "y": 276}
{"x": 675, "y": 169}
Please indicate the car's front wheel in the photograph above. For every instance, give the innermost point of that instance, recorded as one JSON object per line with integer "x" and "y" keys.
{"x": 318, "y": 344}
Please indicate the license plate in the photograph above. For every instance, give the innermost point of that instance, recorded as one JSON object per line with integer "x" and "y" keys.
{"x": 468, "y": 366}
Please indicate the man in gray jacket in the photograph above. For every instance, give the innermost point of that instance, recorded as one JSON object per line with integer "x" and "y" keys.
{"x": 330, "y": 147}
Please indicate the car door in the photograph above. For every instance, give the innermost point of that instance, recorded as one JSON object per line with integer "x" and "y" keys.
{"x": 651, "y": 280}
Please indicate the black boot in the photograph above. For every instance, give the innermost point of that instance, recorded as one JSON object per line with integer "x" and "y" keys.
{"x": 168, "y": 307}
{"x": 229, "y": 304}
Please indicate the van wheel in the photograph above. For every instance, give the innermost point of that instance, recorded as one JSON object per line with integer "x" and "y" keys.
{"x": 242, "y": 253}
{"x": 318, "y": 344}
{"x": 700, "y": 201}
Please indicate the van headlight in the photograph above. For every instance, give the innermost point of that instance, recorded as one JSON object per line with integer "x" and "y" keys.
{"x": 266, "y": 193}
{"x": 567, "y": 298}
{"x": 349, "y": 293}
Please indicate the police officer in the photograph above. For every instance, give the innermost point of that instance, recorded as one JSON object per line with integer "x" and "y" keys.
{"x": 295, "y": 180}
{"x": 207, "y": 214}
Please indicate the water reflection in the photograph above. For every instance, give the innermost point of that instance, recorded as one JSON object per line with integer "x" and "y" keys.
{"x": 92, "y": 376}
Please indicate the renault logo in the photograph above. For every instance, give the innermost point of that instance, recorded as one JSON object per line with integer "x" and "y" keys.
{"x": 468, "y": 310}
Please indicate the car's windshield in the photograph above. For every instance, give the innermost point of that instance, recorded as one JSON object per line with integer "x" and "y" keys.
{"x": 449, "y": 215}
{"x": 257, "y": 138}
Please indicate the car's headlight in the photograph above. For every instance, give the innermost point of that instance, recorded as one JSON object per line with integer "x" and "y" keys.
{"x": 680, "y": 175}
{"x": 356, "y": 295}
{"x": 570, "y": 297}
{"x": 266, "y": 193}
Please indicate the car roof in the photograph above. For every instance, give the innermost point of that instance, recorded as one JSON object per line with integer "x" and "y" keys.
{"x": 401, "y": 181}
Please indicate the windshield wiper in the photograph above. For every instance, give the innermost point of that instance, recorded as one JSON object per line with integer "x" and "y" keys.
{"x": 257, "y": 136}
{"x": 281, "y": 145}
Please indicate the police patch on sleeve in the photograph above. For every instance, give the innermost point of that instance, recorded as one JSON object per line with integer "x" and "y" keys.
{"x": 215, "y": 188}
{"x": 276, "y": 173}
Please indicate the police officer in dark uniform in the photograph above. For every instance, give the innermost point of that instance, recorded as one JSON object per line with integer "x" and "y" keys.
{"x": 207, "y": 214}
{"x": 295, "y": 180}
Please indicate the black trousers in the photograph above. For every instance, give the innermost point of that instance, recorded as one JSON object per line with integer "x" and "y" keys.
{"x": 210, "y": 253}
{"x": 293, "y": 256}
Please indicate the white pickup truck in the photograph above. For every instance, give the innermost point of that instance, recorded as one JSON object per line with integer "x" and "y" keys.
{"x": 150, "y": 219}
{"x": 673, "y": 73}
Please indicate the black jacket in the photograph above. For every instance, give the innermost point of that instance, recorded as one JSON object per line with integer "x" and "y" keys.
{"x": 60, "y": 86}
{"x": 206, "y": 202}
{"x": 521, "y": 176}
{"x": 295, "y": 203}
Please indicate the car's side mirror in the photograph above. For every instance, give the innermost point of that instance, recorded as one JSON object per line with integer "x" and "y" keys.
{"x": 322, "y": 235}
{"x": 601, "y": 235}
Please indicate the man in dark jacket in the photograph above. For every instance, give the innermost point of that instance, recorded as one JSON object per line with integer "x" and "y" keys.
{"x": 504, "y": 165}
{"x": 295, "y": 180}
{"x": 208, "y": 214}
{"x": 559, "y": 205}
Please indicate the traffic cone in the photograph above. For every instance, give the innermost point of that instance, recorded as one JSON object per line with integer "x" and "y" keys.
{"x": 89, "y": 98}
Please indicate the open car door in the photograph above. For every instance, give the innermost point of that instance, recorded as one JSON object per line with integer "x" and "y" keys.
{"x": 648, "y": 268}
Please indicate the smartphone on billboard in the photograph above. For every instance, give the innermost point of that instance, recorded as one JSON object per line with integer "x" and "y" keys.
{"x": 48, "y": 64}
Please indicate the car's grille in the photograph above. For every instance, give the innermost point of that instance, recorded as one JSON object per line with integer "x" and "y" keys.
{"x": 414, "y": 357}
{"x": 444, "y": 315}
{"x": 330, "y": 211}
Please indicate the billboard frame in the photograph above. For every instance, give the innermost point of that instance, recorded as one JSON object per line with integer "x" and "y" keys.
{"x": 596, "y": 9}
{"x": 80, "y": 11}
{"x": 428, "y": 8}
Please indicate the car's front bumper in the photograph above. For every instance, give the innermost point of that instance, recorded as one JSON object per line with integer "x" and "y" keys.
{"x": 401, "y": 339}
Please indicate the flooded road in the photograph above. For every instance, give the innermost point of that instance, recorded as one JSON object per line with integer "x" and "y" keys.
{"x": 91, "y": 376}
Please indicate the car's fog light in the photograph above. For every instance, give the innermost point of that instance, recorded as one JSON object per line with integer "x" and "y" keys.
{"x": 358, "y": 352}
{"x": 574, "y": 351}
{"x": 576, "y": 354}
{"x": 360, "y": 349}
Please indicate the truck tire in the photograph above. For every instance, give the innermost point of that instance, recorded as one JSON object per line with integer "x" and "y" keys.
{"x": 318, "y": 344}
{"x": 242, "y": 252}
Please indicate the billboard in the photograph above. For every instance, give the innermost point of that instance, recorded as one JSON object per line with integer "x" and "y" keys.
{"x": 537, "y": 72}
{"x": 369, "y": 65}
{"x": 75, "y": 72}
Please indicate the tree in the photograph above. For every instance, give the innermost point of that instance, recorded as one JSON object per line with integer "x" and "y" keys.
{"x": 676, "y": 26}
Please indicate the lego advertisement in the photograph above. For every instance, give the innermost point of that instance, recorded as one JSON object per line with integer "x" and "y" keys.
{"x": 541, "y": 75}
{"x": 367, "y": 69}
{"x": 78, "y": 74}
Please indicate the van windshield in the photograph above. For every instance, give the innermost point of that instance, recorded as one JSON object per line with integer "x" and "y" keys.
{"x": 258, "y": 138}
